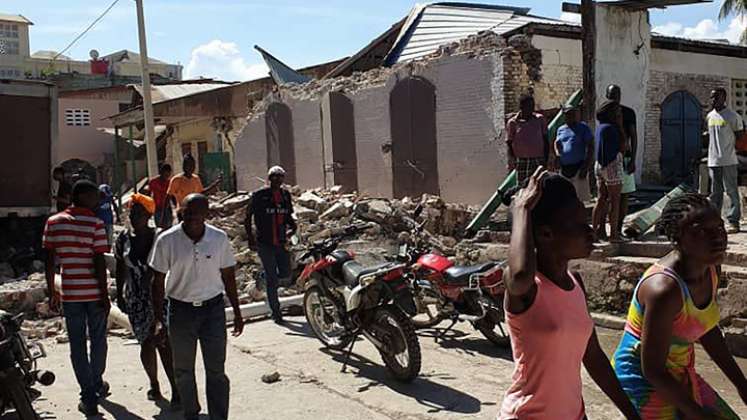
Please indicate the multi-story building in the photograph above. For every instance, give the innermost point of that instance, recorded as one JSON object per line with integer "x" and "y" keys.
{"x": 17, "y": 62}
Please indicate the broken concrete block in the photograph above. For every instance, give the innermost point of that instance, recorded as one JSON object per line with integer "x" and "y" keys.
{"x": 62, "y": 339}
{"x": 337, "y": 211}
{"x": 246, "y": 257}
{"x": 304, "y": 214}
{"x": 312, "y": 201}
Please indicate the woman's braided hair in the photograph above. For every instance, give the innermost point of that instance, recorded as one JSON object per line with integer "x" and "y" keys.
{"x": 676, "y": 210}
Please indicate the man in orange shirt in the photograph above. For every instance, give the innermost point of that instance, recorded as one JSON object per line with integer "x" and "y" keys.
{"x": 188, "y": 183}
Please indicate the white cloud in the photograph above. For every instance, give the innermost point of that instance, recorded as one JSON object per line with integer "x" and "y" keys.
{"x": 222, "y": 60}
{"x": 706, "y": 29}
{"x": 570, "y": 17}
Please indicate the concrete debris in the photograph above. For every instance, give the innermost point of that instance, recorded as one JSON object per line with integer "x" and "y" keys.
{"x": 271, "y": 378}
{"x": 310, "y": 200}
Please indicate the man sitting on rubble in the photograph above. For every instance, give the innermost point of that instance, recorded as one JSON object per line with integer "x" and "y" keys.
{"x": 272, "y": 211}
{"x": 188, "y": 183}
{"x": 527, "y": 140}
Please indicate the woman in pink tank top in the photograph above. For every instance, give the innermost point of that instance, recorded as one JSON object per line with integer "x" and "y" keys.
{"x": 549, "y": 323}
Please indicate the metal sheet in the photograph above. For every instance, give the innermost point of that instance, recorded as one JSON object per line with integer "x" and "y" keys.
{"x": 432, "y": 26}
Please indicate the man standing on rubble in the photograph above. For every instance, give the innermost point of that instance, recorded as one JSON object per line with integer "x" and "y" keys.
{"x": 629, "y": 131}
{"x": 194, "y": 267}
{"x": 724, "y": 128}
{"x": 188, "y": 183}
{"x": 78, "y": 239}
{"x": 528, "y": 148}
{"x": 272, "y": 211}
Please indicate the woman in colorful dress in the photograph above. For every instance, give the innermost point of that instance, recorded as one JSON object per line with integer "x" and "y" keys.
{"x": 551, "y": 330}
{"x": 134, "y": 282}
{"x": 674, "y": 306}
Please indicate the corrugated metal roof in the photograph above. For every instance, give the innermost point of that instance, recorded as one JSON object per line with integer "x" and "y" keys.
{"x": 430, "y": 26}
{"x": 281, "y": 73}
{"x": 161, "y": 93}
{"x": 15, "y": 18}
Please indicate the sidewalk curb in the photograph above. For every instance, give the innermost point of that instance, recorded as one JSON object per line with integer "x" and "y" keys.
{"x": 608, "y": 321}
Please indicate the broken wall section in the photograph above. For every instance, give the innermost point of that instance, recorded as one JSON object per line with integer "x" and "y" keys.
{"x": 469, "y": 122}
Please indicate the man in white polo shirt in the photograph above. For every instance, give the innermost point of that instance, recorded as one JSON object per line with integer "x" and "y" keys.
{"x": 196, "y": 262}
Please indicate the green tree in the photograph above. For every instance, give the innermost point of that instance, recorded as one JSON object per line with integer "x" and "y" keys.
{"x": 738, "y": 9}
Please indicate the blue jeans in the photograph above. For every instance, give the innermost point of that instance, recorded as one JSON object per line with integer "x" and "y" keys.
{"x": 79, "y": 318}
{"x": 276, "y": 262}
{"x": 726, "y": 179}
{"x": 207, "y": 324}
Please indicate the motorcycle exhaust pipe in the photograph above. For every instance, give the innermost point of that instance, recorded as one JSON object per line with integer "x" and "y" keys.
{"x": 44, "y": 377}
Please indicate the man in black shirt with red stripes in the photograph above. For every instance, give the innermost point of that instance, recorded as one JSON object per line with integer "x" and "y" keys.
{"x": 272, "y": 211}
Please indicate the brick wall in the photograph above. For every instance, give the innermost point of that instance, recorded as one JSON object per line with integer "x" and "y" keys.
{"x": 307, "y": 140}
{"x": 251, "y": 154}
{"x": 660, "y": 86}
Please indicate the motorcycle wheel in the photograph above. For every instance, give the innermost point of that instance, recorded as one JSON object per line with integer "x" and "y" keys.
{"x": 430, "y": 309}
{"x": 490, "y": 326}
{"x": 19, "y": 397}
{"x": 319, "y": 312}
{"x": 404, "y": 366}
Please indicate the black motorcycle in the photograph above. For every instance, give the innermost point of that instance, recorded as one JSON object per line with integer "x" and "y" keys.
{"x": 18, "y": 369}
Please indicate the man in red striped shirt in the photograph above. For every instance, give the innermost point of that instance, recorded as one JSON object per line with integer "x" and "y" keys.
{"x": 78, "y": 239}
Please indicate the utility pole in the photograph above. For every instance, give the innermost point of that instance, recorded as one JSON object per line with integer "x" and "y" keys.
{"x": 588, "y": 25}
{"x": 150, "y": 131}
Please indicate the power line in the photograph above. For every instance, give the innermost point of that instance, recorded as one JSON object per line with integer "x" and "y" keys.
{"x": 85, "y": 31}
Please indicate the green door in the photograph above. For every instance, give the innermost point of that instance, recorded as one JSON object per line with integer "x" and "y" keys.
{"x": 214, "y": 164}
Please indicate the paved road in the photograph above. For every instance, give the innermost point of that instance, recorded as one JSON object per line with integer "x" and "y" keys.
{"x": 463, "y": 377}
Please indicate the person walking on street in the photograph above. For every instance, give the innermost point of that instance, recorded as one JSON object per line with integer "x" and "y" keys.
{"x": 552, "y": 333}
{"x": 158, "y": 186}
{"x": 674, "y": 306}
{"x": 134, "y": 296}
{"x": 272, "y": 211}
{"x": 609, "y": 168}
{"x": 629, "y": 132}
{"x": 724, "y": 128}
{"x": 526, "y": 140}
{"x": 194, "y": 267}
{"x": 105, "y": 211}
{"x": 64, "y": 190}
{"x": 188, "y": 183}
{"x": 574, "y": 148}
{"x": 78, "y": 239}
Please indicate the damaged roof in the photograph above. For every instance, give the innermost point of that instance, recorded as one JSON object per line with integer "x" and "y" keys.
{"x": 431, "y": 25}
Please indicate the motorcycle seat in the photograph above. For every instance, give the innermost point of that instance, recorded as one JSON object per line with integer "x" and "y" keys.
{"x": 460, "y": 274}
{"x": 353, "y": 270}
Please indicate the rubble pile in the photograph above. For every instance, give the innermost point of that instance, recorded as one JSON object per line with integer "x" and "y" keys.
{"x": 322, "y": 213}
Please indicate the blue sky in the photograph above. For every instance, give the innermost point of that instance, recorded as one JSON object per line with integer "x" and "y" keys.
{"x": 214, "y": 38}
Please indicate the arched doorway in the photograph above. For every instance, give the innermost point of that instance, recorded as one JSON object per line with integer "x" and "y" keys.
{"x": 342, "y": 129}
{"x": 681, "y": 123}
{"x": 412, "y": 110}
{"x": 280, "y": 144}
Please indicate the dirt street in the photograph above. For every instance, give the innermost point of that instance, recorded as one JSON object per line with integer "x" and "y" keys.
{"x": 463, "y": 377}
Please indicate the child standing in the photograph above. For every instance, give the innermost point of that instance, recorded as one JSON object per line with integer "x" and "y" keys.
{"x": 551, "y": 330}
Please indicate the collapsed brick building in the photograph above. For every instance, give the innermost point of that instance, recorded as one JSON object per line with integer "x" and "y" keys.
{"x": 422, "y": 108}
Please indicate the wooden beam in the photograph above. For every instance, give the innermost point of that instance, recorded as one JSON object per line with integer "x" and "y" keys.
{"x": 588, "y": 42}
{"x": 571, "y": 8}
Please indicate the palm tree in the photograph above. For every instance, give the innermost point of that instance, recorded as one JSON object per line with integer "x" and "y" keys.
{"x": 736, "y": 8}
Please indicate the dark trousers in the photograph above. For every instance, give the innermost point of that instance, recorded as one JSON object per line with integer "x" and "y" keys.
{"x": 207, "y": 324}
{"x": 164, "y": 217}
{"x": 87, "y": 320}
{"x": 276, "y": 262}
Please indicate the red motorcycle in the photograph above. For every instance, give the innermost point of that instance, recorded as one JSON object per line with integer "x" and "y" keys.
{"x": 459, "y": 293}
